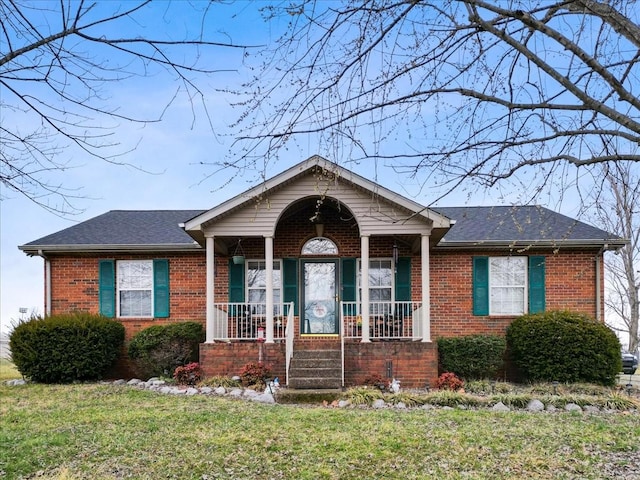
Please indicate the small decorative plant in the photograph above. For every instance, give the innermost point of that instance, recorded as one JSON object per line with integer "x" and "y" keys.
{"x": 255, "y": 374}
{"x": 375, "y": 380}
{"x": 449, "y": 381}
{"x": 189, "y": 374}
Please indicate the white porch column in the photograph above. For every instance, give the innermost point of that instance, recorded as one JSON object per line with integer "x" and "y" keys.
{"x": 268, "y": 253}
{"x": 364, "y": 284}
{"x": 426, "y": 293}
{"x": 210, "y": 290}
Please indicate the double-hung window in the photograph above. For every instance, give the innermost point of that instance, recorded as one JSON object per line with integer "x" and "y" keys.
{"x": 507, "y": 285}
{"x": 380, "y": 285}
{"x": 135, "y": 288}
{"x": 257, "y": 285}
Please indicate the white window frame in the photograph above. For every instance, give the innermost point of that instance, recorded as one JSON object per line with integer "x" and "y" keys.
{"x": 277, "y": 282}
{"x": 374, "y": 287}
{"x": 121, "y": 264}
{"x": 496, "y": 283}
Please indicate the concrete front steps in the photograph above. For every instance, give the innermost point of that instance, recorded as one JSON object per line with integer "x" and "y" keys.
{"x": 315, "y": 370}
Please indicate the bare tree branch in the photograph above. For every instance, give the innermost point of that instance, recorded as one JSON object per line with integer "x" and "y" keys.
{"x": 451, "y": 91}
{"x": 59, "y": 64}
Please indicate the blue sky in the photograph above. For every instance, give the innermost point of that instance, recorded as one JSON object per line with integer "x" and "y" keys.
{"x": 171, "y": 153}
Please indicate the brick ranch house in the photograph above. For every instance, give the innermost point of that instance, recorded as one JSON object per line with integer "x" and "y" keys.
{"x": 325, "y": 275}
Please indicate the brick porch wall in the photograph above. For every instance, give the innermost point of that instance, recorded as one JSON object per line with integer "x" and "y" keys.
{"x": 415, "y": 364}
{"x": 227, "y": 359}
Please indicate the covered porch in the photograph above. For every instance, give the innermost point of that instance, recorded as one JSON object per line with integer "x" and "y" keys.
{"x": 328, "y": 259}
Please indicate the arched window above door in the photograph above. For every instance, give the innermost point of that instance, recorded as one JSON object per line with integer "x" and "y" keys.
{"x": 319, "y": 246}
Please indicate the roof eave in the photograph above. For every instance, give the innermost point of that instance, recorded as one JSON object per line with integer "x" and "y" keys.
{"x": 165, "y": 247}
{"x": 605, "y": 244}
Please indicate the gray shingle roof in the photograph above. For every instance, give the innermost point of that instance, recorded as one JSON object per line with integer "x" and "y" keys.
{"x": 123, "y": 227}
{"x": 475, "y": 226}
{"x": 522, "y": 224}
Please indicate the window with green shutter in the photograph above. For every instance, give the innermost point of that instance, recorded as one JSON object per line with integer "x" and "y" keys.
{"x": 403, "y": 279}
{"x": 161, "y": 288}
{"x": 134, "y": 288}
{"x": 107, "y": 291}
{"x": 349, "y": 279}
{"x": 481, "y": 285}
{"x": 236, "y": 282}
{"x": 290, "y": 282}
{"x": 536, "y": 284}
{"x": 508, "y": 285}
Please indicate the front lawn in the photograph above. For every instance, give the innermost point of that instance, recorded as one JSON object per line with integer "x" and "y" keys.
{"x": 111, "y": 432}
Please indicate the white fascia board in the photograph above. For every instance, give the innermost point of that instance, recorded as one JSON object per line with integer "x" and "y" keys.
{"x": 167, "y": 247}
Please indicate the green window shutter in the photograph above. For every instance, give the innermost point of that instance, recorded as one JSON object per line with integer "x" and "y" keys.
{"x": 107, "y": 288}
{"x": 536, "y": 284}
{"x": 290, "y": 282}
{"x": 403, "y": 279}
{"x": 161, "y": 288}
{"x": 481, "y": 285}
{"x": 348, "y": 279}
{"x": 236, "y": 282}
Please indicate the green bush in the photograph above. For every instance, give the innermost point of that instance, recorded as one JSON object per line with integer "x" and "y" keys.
{"x": 565, "y": 347}
{"x": 472, "y": 356}
{"x": 66, "y": 348}
{"x": 158, "y": 350}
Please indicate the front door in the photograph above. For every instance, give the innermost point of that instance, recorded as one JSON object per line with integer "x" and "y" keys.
{"x": 320, "y": 299}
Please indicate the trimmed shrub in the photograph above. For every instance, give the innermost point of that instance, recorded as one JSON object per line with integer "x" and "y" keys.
{"x": 565, "y": 347}
{"x": 472, "y": 357}
{"x": 159, "y": 349}
{"x": 66, "y": 348}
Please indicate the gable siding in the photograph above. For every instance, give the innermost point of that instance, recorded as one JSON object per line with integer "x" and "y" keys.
{"x": 374, "y": 216}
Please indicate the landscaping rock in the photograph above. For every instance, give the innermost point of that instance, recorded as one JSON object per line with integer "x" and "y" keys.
{"x": 120, "y": 382}
{"x": 401, "y": 406}
{"x": 250, "y": 393}
{"x": 206, "y": 390}
{"x": 591, "y": 409}
{"x": 263, "y": 398}
{"x": 16, "y": 382}
{"x": 236, "y": 392}
{"x": 535, "y": 406}
{"x": 165, "y": 390}
{"x": 572, "y": 407}
{"x": 379, "y": 403}
{"x": 343, "y": 403}
{"x": 500, "y": 407}
{"x": 551, "y": 408}
{"x": 134, "y": 381}
{"x": 220, "y": 391}
{"x": 191, "y": 391}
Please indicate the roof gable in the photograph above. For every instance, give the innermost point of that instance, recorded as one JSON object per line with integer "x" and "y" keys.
{"x": 313, "y": 166}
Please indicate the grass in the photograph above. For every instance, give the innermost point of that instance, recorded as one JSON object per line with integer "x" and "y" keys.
{"x": 110, "y": 432}
{"x": 8, "y": 371}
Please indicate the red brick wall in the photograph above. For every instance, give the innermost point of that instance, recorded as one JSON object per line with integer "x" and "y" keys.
{"x": 74, "y": 285}
{"x": 570, "y": 284}
{"x": 415, "y": 364}
{"x": 227, "y": 359}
